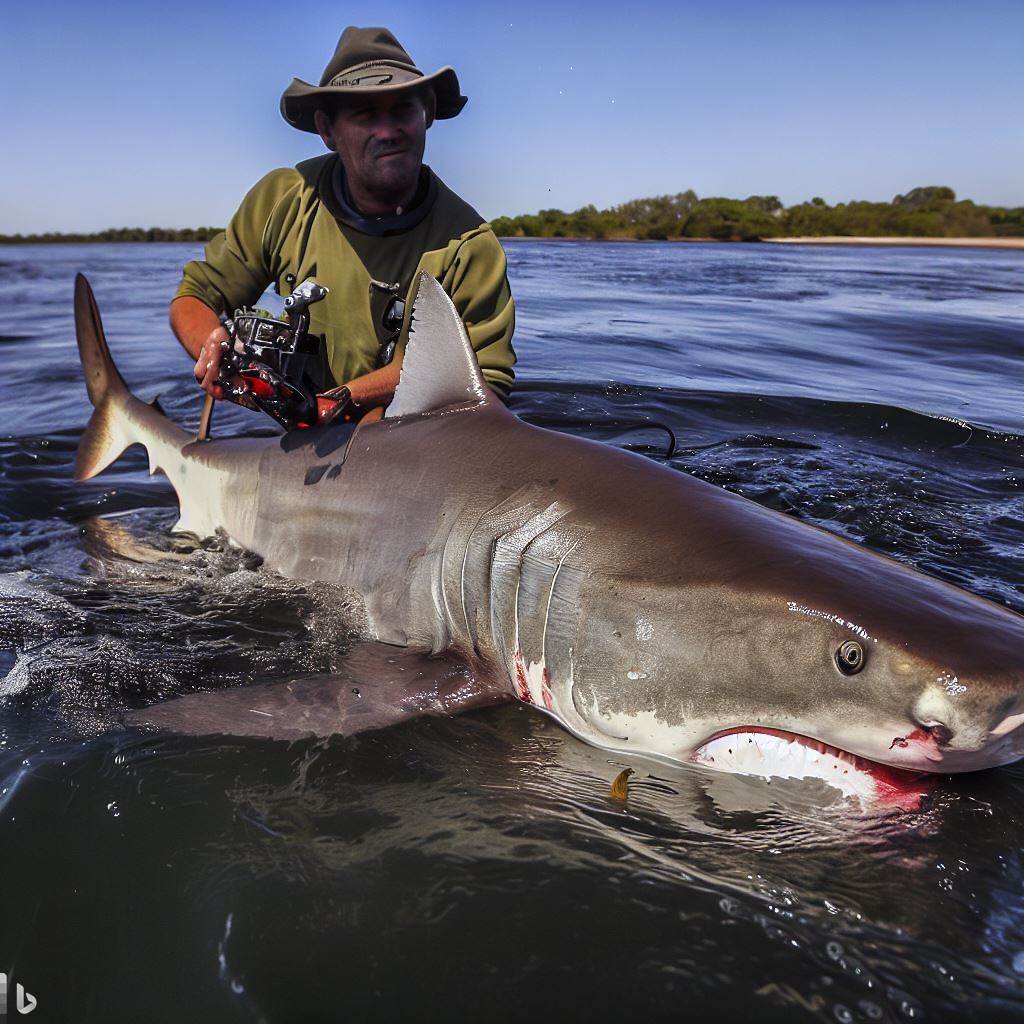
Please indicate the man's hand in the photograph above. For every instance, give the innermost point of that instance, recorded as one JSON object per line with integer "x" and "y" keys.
{"x": 208, "y": 364}
{"x": 199, "y": 330}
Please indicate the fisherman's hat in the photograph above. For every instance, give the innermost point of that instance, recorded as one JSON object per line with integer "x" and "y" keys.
{"x": 368, "y": 62}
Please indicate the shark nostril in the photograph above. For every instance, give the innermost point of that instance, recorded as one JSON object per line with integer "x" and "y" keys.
{"x": 932, "y": 712}
{"x": 942, "y": 734}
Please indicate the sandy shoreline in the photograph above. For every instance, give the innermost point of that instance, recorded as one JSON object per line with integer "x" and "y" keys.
{"x": 907, "y": 240}
{"x": 956, "y": 243}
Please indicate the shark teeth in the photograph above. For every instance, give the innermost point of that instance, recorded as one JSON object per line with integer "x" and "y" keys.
{"x": 776, "y": 754}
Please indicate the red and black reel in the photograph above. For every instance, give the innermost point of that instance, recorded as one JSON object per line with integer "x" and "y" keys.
{"x": 254, "y": 335}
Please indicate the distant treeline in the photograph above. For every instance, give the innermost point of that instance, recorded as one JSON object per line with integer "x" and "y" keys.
{"x": 931, "y": 212}
{"x": 119, "y": 235}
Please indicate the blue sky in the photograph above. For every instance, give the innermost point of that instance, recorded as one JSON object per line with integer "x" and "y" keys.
{"x": 138, "y": 114}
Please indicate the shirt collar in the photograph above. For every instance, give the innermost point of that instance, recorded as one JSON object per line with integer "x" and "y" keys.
{"x": 335, "y": 194}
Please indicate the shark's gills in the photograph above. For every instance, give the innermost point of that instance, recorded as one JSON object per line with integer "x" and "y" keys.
{"x": 506, "y": 528}
{"x": 547, "y": 611}
{"x": 500, "y": 571}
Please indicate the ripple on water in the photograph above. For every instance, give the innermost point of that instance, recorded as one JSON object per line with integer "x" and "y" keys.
{"x": 481, "y": 862}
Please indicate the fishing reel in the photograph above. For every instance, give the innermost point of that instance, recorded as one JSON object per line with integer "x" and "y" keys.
{"x": 263, "y": 356}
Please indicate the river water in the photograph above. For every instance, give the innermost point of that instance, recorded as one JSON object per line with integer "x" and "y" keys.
{"x": 477, "y": 867}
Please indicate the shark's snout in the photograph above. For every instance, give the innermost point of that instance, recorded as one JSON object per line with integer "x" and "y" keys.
{"x": 961, "y": 727}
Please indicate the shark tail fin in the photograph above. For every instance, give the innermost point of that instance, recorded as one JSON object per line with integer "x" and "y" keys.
{"x": 102, "y": 379}
{"x": 104, "y": 439}
{"x": 114, "y": 422}
{"x": 107, "y": 434}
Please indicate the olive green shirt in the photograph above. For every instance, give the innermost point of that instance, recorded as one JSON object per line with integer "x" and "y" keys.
{"x": 292, "y": 226}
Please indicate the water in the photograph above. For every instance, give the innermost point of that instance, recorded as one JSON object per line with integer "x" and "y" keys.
{"x": 478, "y": 867}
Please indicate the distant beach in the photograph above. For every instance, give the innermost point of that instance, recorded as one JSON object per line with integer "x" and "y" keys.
{"x": 958, "y": 243}
{"x": 893, "y": 240}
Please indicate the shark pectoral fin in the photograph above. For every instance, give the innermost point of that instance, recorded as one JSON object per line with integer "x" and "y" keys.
{"x": 319, "y": 705}
{"x": 377, "y": 686}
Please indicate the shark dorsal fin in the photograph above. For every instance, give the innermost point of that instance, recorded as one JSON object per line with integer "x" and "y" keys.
{"x": 439, "y": 367}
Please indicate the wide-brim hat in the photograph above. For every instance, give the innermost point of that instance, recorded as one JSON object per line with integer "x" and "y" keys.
{"x": 368, "y": 62}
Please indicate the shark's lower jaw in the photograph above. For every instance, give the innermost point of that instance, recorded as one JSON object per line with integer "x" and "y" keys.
{"x": 776, "y": 754}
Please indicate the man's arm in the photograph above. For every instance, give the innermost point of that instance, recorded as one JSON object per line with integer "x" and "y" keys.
{"x": 201, "y": 333}
{"x": 376, "y": 387}
{"x": 235, "y": 273}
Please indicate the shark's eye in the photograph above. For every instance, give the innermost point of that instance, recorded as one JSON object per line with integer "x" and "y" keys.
{"x": 850, "y": 657}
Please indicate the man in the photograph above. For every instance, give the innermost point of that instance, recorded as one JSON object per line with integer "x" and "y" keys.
{"x": 362, "y": 220}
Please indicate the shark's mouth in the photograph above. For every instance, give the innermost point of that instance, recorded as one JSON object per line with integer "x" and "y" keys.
{"x": 775, "y": 753}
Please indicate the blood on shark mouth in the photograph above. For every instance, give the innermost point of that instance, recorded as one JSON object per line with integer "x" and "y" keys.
{"x": 775, "y": 753}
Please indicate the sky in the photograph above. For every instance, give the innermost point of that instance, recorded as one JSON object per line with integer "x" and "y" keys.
{"x": 128, "y": 114}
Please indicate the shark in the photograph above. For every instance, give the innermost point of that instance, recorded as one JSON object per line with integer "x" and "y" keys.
{"x": 648, "y": 612}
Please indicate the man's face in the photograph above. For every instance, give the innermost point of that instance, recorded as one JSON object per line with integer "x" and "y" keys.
{"x": 380, "y": 141}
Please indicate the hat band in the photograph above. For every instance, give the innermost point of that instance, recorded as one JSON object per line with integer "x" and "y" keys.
{"x": 379, "y": 73}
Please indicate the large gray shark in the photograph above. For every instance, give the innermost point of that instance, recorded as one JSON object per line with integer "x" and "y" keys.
{"x": 647, "y": 611}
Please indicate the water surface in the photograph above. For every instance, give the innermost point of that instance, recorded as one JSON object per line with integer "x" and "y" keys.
{"x": 477, "y": 867}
